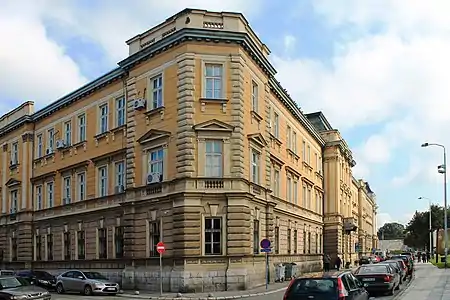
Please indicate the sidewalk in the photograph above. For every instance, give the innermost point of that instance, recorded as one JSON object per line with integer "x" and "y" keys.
{"x": 430, "y": 283}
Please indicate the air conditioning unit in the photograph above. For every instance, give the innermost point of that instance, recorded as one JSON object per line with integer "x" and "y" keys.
{"x": 13, "y": 210}
{"x": 139, "y": 104}
{"x": 119, "y": 189}
{"x": 154, "y": 177}
{"x": 66, "y": 200}
{"x": 12, "y": 163}
{"x": 49, "y": 151}
{"x": 60, "y": 144}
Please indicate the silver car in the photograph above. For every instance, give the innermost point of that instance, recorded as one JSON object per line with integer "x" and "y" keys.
{"x": 87, "y": 283}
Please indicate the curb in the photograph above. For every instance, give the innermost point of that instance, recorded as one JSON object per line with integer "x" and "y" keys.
{"x": 201, "y": 298}
{"x": 396, "y": 297}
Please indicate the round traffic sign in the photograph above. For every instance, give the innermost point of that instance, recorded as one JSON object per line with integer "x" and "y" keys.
{"x": 265, "y": 243}
{"x": 160, "y": 247}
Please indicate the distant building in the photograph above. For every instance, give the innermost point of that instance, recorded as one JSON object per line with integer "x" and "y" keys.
{"x": 391, "y": 245}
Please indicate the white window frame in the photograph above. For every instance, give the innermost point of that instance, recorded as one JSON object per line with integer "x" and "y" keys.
{"x": 212, "y": 168}
{"x": 81, "y": 122}
{"x": 14, "y": 194}
{"x": 157, "y": 91}
{"x": 255, "y": 94}
{"x": 308, "y": 153}
{"x": 289, "y": 189}
{"x": 156, "y": 165}
{"x": 304, "y": 150}
{"x": 276, "y": 125}
{"x": 50, "y": 191}
{"x": 67, "y": 189}
{"x": 276, "y": 182}
{"x": 51, "y": 139}
{"x": 68, "y": 133}
{"x": 295, "y": 189}
{"x": 39, "y": 197}
{"x": 255, "y": 166}
{"x": 121, "y": 116}
{"x": 15, "y": 153}
{"x": 221, "y": 239}
{"x": 103, "y": 110}
{"x": 102, "y": 181}
{"x": 288, "y": 137}
{"x": 119, "y": 173}
{"x": 294, "y": 142}
{"x": 81, "y": 186}
{"x": 217, "y": 80}
{"x": 309, "y": 198}
{"x": 39, "y": 146}
{"x": 305, "y": 196}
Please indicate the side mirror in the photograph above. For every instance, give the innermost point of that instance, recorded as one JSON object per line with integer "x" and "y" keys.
{"x": 80, "y": 277}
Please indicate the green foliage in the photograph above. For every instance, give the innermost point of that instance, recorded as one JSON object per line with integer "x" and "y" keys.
{"x": 391, "y": 231}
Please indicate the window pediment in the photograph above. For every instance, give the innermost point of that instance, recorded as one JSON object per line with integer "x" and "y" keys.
{"x": 258, "y": 139}
{"x": 13, "y": 182}
{"x": 153, "y": 135}
{"x": 214, "y": 125}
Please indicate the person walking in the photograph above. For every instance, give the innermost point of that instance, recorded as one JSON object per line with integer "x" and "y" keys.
{"x": 424, "y": 257}
{"x": 338, "y": 263}
{"x": 326, "y": 262}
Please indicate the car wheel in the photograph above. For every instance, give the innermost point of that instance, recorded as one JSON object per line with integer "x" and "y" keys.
{"x": 60, "y": 288}
{"x": 87, "y": 290}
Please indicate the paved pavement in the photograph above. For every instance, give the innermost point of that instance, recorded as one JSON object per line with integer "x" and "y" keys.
{"x": 430, "y": 283}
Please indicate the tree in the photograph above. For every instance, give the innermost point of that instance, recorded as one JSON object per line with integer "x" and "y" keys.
{"x": 418, "y": 228}
{"x": 391, "y": 231}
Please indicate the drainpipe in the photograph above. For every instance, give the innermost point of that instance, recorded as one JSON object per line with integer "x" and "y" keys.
{"x": 33, "y": 229}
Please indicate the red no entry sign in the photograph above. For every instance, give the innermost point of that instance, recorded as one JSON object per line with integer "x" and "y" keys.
{"x": 160, "y": 247}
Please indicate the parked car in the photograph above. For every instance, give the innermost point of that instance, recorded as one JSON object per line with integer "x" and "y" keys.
{"x": 7, "y": 273}
{"x": 39, "y": 278}
{"x": 85, "y": 282}
{"x": 336, "y": 286}
{"x": 378, "y": 278}
{"x": 17, "y": 288}
{"x": 365, "y": 260}
{"x": 408, "y": 262}
{"x": 401, "y": 265}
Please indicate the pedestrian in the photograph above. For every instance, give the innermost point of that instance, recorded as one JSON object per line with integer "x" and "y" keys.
{"x": 338, "y": 263}
{"x": 326, "y": 262}
{"x": 428, "y": 256}
{"x": 424, "y": 257}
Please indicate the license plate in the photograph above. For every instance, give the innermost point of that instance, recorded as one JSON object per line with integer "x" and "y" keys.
{"x": 368, "y": 279}
{"x": 110, "y": 289}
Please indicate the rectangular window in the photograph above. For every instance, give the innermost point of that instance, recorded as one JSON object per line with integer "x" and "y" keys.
{"x": 277, "y": 240}
{"x": 81, "y": 243}
{"x": 67, "y": 245}
{"x": 304, "y": 197}
{"x": 67, "y": 190}
{"x": 214, "y": 81}
{"x": 320, "y": 167}
{"x": 14, "y": 201}
{"x": 254, "y": 96}
{"x": 309, "y": 242}
{"x": 103, "y": 181}
{"x": 82, "y": 128}
{"x": 157, "y": 92}
{"x": 68, "y": 133}
{"x": 308, "y": 155}
{"x": 120, "y": 175}
{"x": 120, "y": 112}
{"x": 276, "y": 125}
{"x": 317, "y": 243}
{"x": 304, "y": 151}
{"x": 294, "y": 142}
{"x": 15, "y": 154}
{"x": 50, "y": 140}
{"x": 39, "y": 146}
{"x": 288, "y": 137}
{"x": 317, "y": 201}
{"x": 256, "y": 236}
{"x": 289, "y": 189}
{"x": 38, "y": 247}
{"x": 14, "y": 249}
{"x": 295, "y": 192}
{"x": 50, "y": 246}
{"x": 102, "y": 243}
{"x": 119, "y": 241}
{"x": 213, "y": 236}
{"x": 39, "y": 197}
{"x": 309, "y": 206}
{"x": 50, "y": 195}
{"x": 289, "y": 241}
{"x": 304, "y": 241}
{"x": 81, "y": 186}
{"x": 295, "y": 241}
{"x": 276, "y": 183}
{"x": 155, "y": 237}
{"x": 255, "y": 167}
{"x": 103, "y": 118}
{"x": 156, "y": 161}
{"x": 214, "y": 158}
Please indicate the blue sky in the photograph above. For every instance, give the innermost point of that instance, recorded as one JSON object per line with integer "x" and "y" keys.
{"x": 376, "y": 68}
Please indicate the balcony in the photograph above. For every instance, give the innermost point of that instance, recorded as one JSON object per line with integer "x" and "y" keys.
{"x": 350, "y": 224}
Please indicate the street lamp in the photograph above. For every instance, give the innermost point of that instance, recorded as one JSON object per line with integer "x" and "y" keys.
{"x": 429, "y": 221}
{"x": 442, "y": 169}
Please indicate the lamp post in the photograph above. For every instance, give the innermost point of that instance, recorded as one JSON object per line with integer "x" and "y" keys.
{"x": 442, "y": 169}
{"x": 429, "y": 225}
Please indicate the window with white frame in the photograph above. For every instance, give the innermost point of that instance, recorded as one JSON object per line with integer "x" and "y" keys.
{"x": 81, "y": 186}
{"x": 304, "y": 196}
{"x": 39, "y": 197}
{"x": 255, "y": 164}
{"x": 213, "y": 236}
{"x": 304, "y": 151}
{"x": 294, "y": 142}
{"x": 309, "y": 198}
{"x": 254, "y": 96}
{"x": 317, "y": 201}
{"x": 289, "y": 189}
{"x": 68, "y": 133}
{"x": 214, "y": 158}
{"x": 295, "y": 191}
{"x": 156, "y": 161}
{"x": 39, "y": 146}
{"x": 120, "y": 111}
{"x": 81, "y": 128}
{"x": 67, "y": 189}
{"x": 119, "y": 169}
{"x": 308, "y": 155}
{"x": 276, "y": 182}
{"x": 102, "y": 181}
{"x": 157, "y": 92}
{"x": 276, "y": 125}
{"x": 14, "y": 201}
{"x": 51, "y": 140}
{"x": 214, "y": 81}
{"x": 50, "y": 195}
{"x": 103, "y": 118}
{"x": 15, "y": 153}
{"x": 288, "y": 137}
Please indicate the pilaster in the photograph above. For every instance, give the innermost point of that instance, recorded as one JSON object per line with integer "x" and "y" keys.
{"x": 267, "y": 116}
{"x": 238, "y": 226}
{"x": 4, "y": 165}
{"x": 131, "y": 133}
{"x": 25, "y": 241}
{"x": 25, "y": 161}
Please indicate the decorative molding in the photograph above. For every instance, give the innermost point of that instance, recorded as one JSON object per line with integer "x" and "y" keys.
{"x": 213, "y": 125}
{"x": 258, "y": 139}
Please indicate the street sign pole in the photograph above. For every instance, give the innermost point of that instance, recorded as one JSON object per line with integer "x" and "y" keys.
{"x": 267, "y": 271}
{"x": 265, "y": 247}
{"x": 161, "y": 248}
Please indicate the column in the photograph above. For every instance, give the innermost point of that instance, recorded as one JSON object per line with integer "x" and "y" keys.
{"x": 238, "y": 226}
{"x": 27, "y": 139}
{"x": 4, "y": 178}
{"x": 131, "y": 133}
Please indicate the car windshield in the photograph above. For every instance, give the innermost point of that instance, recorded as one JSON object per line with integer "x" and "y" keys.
{"x": 372, "y": 269}
{"x": 23, "y": 281}
{"x": 313, "y": 286}
{"x": 43, "y": 275}
{"x": 9, "y": 283}
{"x": 95, "y": 275}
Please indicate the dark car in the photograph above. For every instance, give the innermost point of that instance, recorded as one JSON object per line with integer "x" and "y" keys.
{"x": 401, "y": 266}
{"x": 378, "y": 278}
{"x": 408, "y": 262}
{"x": 39, "y": 278}
{"x": 17, "y": 288}
{"x": 365, "y": 260}
{"x": 337, "y": 286}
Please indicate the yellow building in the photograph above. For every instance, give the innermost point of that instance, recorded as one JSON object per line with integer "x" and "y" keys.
{"x": 190, "y": 141}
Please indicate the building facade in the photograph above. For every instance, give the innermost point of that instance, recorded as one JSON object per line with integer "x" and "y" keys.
{"x": 190, "y": 141}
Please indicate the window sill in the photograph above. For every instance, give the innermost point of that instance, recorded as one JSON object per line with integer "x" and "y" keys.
{"x": 155, "y": 111}
{"x": 222, "y": 101}
{"x": 277, "y": 140}
{"x": 101, "y": 136}
{"x": 256, "y": 116}
{"x": 307, "y": 165}
{"x": 119, "y": 128}
{"x": 79, "y": 144}
{"x": 14, "y": 166}
{"x": 293, "y": 153}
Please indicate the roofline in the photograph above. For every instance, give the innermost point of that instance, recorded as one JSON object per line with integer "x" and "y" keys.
{"x": 12, "y": 111}
{"x": 321, "y": 115}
